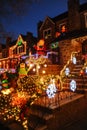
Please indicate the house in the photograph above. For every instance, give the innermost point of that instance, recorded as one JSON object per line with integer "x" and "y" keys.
{"x": 13, "y": 51}
{"x": 67, "y": 30}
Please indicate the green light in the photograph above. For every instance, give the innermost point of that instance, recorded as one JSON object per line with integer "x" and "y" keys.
{"x": 4, "y": 81}
{"x": 54, "y": 45}
{"x": 19, "y": 43}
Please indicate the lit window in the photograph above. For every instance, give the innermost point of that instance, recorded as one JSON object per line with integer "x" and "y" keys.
{"x": 62, "y": 27}
{"x": 47, "y": 33}
{"x": 57, "y": 34}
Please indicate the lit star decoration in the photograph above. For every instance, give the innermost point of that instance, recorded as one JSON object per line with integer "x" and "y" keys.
{"x": 51, "y": 90}
{"x": 74, "y": 60}
{"x": 67, "y": 71}
{"x": 73, "y": 85}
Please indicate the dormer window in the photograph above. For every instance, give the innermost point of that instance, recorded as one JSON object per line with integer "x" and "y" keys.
{"x": 85, "y": 14}
{"x": 47, "y": 33}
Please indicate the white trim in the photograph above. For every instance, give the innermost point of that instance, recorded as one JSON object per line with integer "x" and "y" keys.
{"x": 47, "y": 18}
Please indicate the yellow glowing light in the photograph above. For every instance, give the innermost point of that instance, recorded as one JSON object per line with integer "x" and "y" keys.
{"x": 38, "y": 66}
{"x": 43, "y": 71}
{"x": 41, "y": 42}
{"x": 34, "y": 69}
{"x": 31, "y": 65}
{"x": 45, "y": 65}
{"x": 6, "y": 91}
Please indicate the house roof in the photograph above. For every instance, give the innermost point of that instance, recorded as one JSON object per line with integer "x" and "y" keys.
{"x": 60, "y": 17}
{"x": 12, "y": 43}
{"x": 83, "y": 7}
{"x": 64, "y": 15}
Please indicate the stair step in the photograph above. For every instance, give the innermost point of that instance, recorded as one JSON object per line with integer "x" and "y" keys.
{"x": 36, "y": 123}
{"x": 42, "y": 112}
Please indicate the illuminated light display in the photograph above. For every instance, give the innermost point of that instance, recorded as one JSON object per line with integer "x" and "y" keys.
{"x": 86, "y": 70}
{"x": 43, "y": 71}
{"x": 74, "y": 60}
{"x": 57, "y": 34}
{"x": 45, "y": 65}
{"x": 20, "y": 99}
{"x": 67, "y": 71}
{"x": 81, "y": 72}
{"x": 22, "y": 70}
{"x": 34, "y": 69}
{"x": 7, "y": 91}
{"x": 63, "y": 29}
{"x": 40, "y": 47}
{"x": 38, "y": 66}
{"x": 54, "y": 45}
{"x": 73, "y": 85}
{"x": 51, "y": 90}
{"x": 19, "y": 42}
{"x": 5, "y": 83}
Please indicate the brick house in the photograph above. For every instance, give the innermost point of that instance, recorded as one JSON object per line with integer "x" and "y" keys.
{"x": 68, "y": 30}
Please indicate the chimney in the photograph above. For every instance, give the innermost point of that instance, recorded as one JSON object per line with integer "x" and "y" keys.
{"x": 74, "y": 22}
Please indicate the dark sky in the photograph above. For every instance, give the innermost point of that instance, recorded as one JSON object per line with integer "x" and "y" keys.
{"x": 37, "y": 11}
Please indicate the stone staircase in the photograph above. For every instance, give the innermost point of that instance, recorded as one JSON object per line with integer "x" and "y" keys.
{"x": 51, "y": 69}
{"x": 38, "y": 117}
{"x": 81, "y": 80}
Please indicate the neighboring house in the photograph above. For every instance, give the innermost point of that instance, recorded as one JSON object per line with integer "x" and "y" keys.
{"x": 13, "y": 51}
{"x": 68, "y": 25}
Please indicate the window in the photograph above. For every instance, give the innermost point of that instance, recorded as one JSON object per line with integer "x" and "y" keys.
{"x": 85, "y": 19}
{"x": 20, "y": 49}
{"x": 63, "y": 28}
{"x": 4, "y": 53}
{"x": 47, "y": 33}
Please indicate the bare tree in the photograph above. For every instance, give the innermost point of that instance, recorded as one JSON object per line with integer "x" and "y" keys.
{"x": 11, "y": 8}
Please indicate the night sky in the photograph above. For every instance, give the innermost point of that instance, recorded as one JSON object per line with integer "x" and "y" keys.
{"x": 35, "y": 12}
